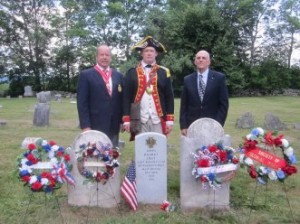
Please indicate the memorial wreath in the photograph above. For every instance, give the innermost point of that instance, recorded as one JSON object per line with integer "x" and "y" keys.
{"x": 267, "y": 156}
{"x": 211, "y": 160}
{"x": 45, "y": 166}
{"x": 103, "y": 158}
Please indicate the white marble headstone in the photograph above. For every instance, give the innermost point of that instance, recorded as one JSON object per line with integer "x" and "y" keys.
{"x": 204, "y": 131}
{"x": 28, "y": 91}
{"x": 151, "y": 167}
{"x": 93, "y": 194}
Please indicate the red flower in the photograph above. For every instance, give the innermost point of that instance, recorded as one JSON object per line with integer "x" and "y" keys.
{"x": 203, "y": 179}
{"x": 222, "y": 155}
{"x": 203, "y": 163}
{"x": 213, "y": 148}
{"x": 59, "y": 154}
{"x": 89, "y": 152}
{"x": 67, "y": 157}
{"x": 250, "y": 144}
{"x": 31, "y": 146}
{"x": 52, "y": 143}
{"x": 164, "y": 206}
{"x": 32, "y": 158}
{"x": 235, "y": 160}
{"x": 277, "y": 140}
{"x": 36, "y": 186}
{"x": 289, "y": 170}
{"x": 25, "y": 178}
{"x": 99, "y": 177}
{"x": 269, "y": 138}
{"x": 115, "y": 154}
{"x": 253, "y": 172}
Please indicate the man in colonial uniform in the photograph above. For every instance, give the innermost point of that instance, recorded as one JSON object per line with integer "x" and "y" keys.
{"x": 99, "y": 97}
{"x": 148, "y": 102}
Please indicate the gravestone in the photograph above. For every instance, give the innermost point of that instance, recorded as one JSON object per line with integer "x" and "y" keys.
{"x": 273, "y": 123}
{"x": 151, "y": 167}
{"x": 297, "y": 126}
{"x": 42, "y": 109}
{"x": 57, "y": 97}
{"x": 92, "y": 194}
{"x": 202, "y": 132}
{"x": 28, "y": 91}
{"x": 246, "y": 121}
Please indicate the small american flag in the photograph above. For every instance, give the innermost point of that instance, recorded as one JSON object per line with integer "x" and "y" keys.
{"x": 128, "y": 187}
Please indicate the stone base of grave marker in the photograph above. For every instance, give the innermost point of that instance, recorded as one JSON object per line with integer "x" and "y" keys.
{"x": 151, "y": 167}
{"x": 204, "y": 131}
{"x": 93, "y": 194}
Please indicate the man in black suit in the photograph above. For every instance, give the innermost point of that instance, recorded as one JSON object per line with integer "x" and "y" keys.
{"x": 204, "y": 94}
{"x": 148, "y": 93}
{"x": 99, "y": 97}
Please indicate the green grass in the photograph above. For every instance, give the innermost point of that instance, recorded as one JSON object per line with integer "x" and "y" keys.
{"x": 270, "y": 204}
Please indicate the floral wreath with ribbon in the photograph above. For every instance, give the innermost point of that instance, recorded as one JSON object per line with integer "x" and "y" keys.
{"x": 99, "y": 153}
{"x": 211, "y": 160}
{"x": 262, "y": 148}
{"x": 45, "y": 166}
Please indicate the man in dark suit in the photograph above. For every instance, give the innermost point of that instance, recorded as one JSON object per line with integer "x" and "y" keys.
{"x": 99, "y": 97}
{"x": 148, "y": 93}
{"x": 204, "y": 94}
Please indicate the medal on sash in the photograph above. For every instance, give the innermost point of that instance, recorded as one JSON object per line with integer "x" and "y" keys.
{"x": 119, "y": 88}
{"x": 149, "y": 89}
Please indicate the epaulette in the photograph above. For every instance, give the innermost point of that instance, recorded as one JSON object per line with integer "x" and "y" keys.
{"x": 167, "y": 71}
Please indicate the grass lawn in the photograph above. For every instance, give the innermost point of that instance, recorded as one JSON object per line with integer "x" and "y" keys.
{"x": 273, "y": 203}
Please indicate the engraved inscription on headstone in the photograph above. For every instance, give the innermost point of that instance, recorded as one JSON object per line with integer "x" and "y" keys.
{"x": 93, "y": 194}
{"x": 204, "y": 131}
{"x": 151, "y": 167}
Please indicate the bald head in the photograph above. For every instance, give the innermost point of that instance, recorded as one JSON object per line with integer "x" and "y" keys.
{"x": 202, "y": 60}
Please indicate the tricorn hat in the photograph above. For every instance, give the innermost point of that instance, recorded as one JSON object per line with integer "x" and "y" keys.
{"x": 149, "y": 42}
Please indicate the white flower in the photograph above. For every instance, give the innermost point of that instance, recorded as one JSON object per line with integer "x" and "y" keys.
{"x": 248, "y": 162}
{"x": 55, "y": 148}
{"x": 44, "y": 181}
{"x": 285, "y": 143}
{"x": 33, "y": 179}
{"x": 289, "y": 151}
{"x": 272, "y": 175}
{"x": 262, "y": 170}
{"x": 44, "y": 142}
{"x": 248, "y": 137}
{"x": 51, "y": 154}
{"x": 260, "y": 131}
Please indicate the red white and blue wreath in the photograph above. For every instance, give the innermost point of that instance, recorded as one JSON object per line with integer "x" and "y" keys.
{"x": 104, "y": 157}
{"x": 267, "y": 156}
{"x": 211, "y": 160}
{"x": 45, "y": 166}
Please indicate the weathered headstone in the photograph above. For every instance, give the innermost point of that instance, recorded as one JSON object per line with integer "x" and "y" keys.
{"x": 42, "y": 109}
{"x": 151, "y": 167}
{"x": 57, "y": 97}
{"x": 204, "y": 131}
{"x": 273, "y": 123}
{"x": 28, "y": 91}
{"x": 297, "y": 126}
{"x": 92, "y": 194}
{"x": 246, "y": 121}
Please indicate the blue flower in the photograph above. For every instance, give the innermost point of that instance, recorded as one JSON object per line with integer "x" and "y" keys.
{"x": 261, "y": 180}
{"x": 293, "y": 159}
{"x": 211, "y": 176}
{"x": 255, "y": 132}
{"x": 24, "y": 173}
{"x": 280, "y": 175}
{"x": 47, "y": 148}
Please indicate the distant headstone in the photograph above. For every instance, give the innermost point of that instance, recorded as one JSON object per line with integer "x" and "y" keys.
{"x": 151, "y": 167}
{"x": 42, "y": 109}
{"x": 20, "y": 97}
{"x": 273, "y": 123}
{"x": 202, "y": 132}
{"x": 92, "y": 194}
{"x": 57, "y": 97}
{"x": 29, "y": 140}
{"x": 7, "y": 97}
{"x": 246, "y": 121}
{"x": 3, "y": 122}
{"x": 28, "y": 91}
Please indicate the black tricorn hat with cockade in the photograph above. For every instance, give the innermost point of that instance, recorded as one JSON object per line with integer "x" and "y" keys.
{"x": 149, "y": 42}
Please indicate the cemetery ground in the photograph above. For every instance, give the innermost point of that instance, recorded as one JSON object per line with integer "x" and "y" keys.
{"x": 272, "y": 203}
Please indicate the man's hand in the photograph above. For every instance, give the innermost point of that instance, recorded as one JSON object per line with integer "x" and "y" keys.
{"x": 86, "y": 129}
{"x": 126, "y": 126}
{"x": 183, "y": 132}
